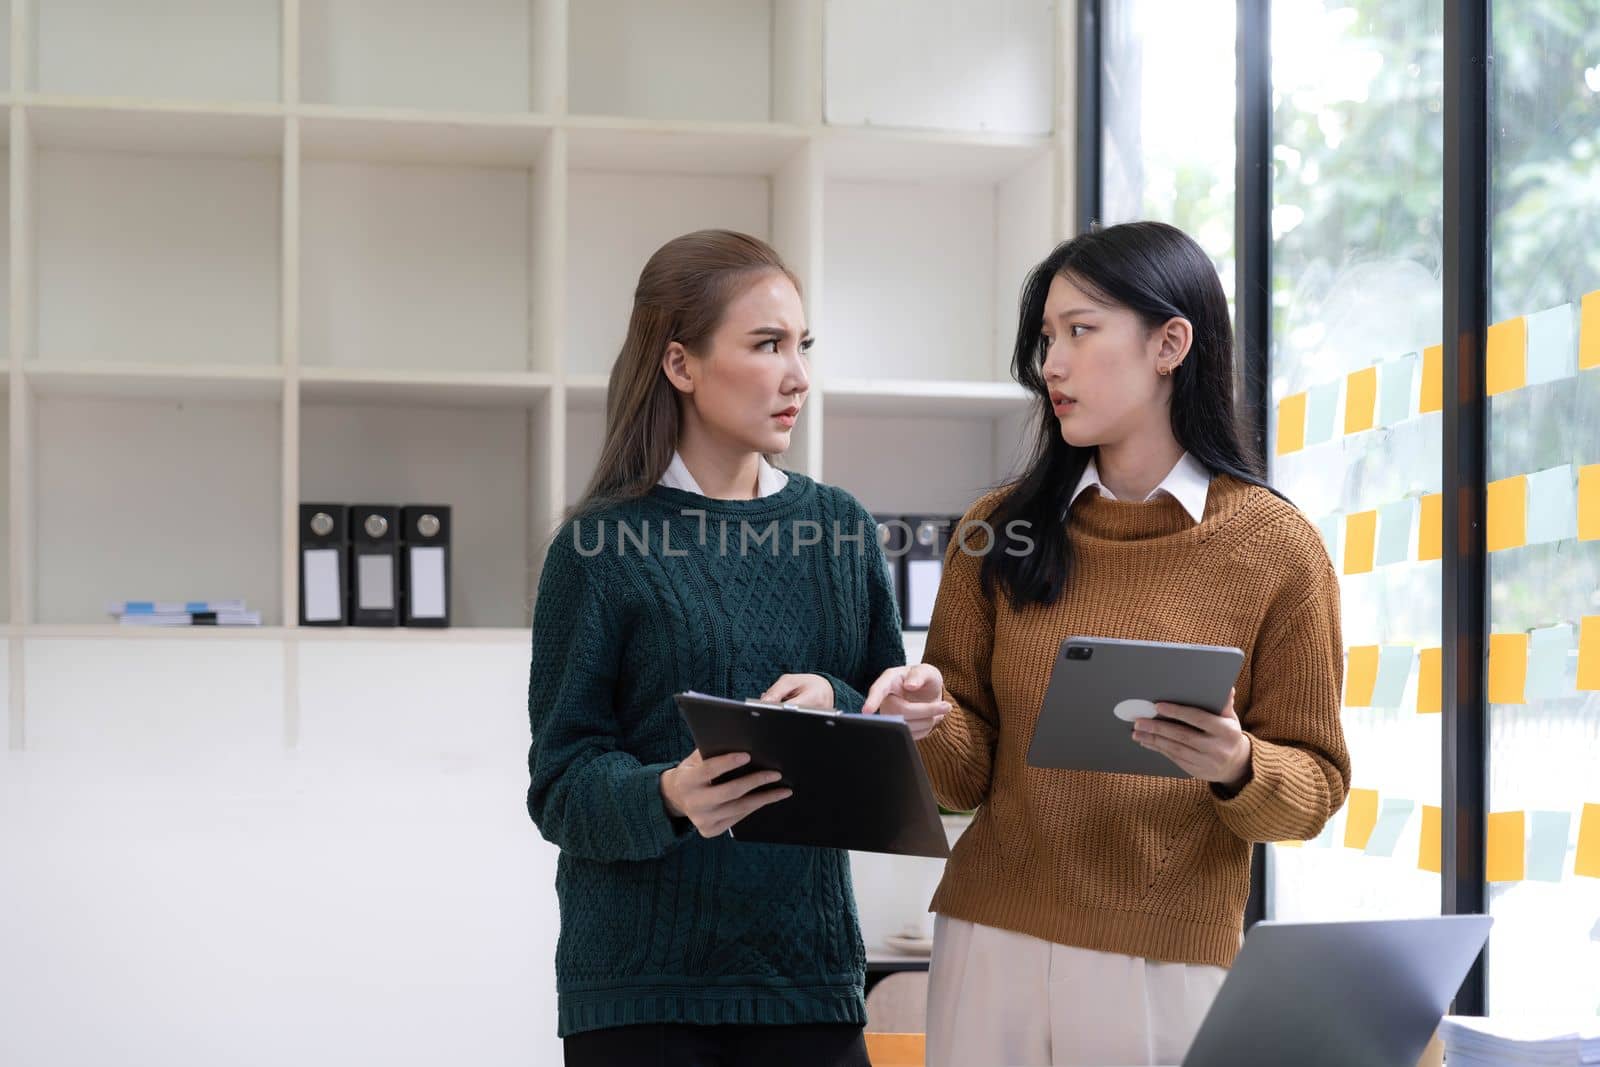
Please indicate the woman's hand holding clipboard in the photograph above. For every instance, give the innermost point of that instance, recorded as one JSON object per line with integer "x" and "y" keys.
{"x": 711, "y": 794}
{"x": 695, "y": 790}
{"x": 848, "y": 781}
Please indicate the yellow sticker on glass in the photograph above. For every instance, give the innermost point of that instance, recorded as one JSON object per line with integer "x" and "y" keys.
{"x": 1507, "y": 360}
{"x": 1430, "y": 681}
{"x": 1588, "y": 862}
{"x": 1589, "y": 653}
{"x": 1507, "y": 509}
{"x": 1589, "y": 502}
{"x": 1432, "y": 397}
{"x": 1360, "y": 541}
{"x": 1361, "y": 676}
{"x": 1589, "y": 332}
{"x": 1360, "y": 400}
{"x": 1508, "y": 668}
{"x": 1507, "y": 859}
{"x": 1432, "y": 843}
{"x": 1430, "y": 528}
{"x": 1362, "y": 818}
{"x": 1291, "y": 424}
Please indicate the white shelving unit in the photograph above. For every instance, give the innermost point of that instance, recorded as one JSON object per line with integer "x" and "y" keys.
{"x": 265, "y": 251}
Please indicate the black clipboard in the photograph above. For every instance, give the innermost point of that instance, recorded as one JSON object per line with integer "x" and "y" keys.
{"x": 858, "y": 780}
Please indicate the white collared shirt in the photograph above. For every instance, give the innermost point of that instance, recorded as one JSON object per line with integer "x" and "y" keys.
{"x": 1189, "y": 483}
{"x": 769, "y": 479}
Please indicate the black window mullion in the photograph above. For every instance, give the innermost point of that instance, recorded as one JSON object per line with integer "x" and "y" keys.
{"x": 1252, "y": 209}
{"x": 1465, "y": 562}
{"x": 1089, "y": 132}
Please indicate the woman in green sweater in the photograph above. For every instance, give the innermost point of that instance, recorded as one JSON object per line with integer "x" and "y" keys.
{"x": 693, "y": 563}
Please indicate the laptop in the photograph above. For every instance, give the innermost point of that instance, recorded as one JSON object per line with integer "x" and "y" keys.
{"x": 1338, "y": 994}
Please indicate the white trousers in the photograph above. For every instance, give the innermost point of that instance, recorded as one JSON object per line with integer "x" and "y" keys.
{"x": 999, "y": 999}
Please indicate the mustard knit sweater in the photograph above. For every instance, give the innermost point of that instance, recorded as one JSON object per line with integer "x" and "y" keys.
{"x": 1144, "y": 866}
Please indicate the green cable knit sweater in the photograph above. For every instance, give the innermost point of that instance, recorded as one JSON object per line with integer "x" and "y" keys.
{"x": 652, "y": 597}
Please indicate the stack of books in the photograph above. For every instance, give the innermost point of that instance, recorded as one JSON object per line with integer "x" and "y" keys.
{"x": 1511, "y": 1042}
{"x": 183, "y": 613}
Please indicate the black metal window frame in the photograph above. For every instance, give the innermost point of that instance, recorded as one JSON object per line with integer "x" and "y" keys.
{"x": 1467, "y": 52}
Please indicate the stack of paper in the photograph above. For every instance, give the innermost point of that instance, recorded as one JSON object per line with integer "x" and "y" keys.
{"x": 183, "y": 613}
{"x": 1513, "y": 1042}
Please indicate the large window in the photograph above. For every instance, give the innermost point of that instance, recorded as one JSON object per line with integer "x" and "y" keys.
{"x": 1167, "y": 97}
{"x": 1356, "y": 213}
{"x": 1352, "y": 299}
{"x": 1544, "y": 556}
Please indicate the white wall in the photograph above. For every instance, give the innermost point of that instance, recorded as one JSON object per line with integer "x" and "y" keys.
{"x": 179, "y": 887}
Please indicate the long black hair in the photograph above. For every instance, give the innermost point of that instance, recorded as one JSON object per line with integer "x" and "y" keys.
{"x": 1158, "y": 272}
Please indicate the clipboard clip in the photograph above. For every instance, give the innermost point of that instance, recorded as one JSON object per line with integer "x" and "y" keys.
{"x": 752, "y": 701}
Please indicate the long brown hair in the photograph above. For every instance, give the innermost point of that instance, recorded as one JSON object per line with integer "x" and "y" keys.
{"x": 682, "y": 294}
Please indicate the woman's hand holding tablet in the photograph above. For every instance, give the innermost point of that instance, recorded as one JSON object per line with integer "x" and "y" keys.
{"x": 1210, "y": 746}
{"x": 1143, "y": 707}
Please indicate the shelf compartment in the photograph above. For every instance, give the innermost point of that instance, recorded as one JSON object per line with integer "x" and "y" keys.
{"x": 884, "y": 460}
{"x": 470, "y": 55}
{"x": 692, "y": 59}
{"x": 616, "y": 221}
{"x": 894, "y": 251}
{"x": 418, "y": 268}
{"x": 954, "y": 66}
{"x": 157, "y": 259}
{"x": 173, "y": 499}
{"x": 159, "y": 49}
{"x": 484, "y": 462}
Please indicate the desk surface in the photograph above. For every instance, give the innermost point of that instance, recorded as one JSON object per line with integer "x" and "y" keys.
{"x": 883, "y": 958}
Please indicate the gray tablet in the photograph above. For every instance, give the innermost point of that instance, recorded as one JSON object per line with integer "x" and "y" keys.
{"x": 858, "y": 780}
{"x": 1100, "y": 686}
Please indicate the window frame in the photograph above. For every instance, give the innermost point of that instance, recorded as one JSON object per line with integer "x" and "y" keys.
{"x": 1467, "y": 234}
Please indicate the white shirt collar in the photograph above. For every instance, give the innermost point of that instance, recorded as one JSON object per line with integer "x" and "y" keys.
{"x": 1189, "y": 483}
{"x": 769, "y": 479}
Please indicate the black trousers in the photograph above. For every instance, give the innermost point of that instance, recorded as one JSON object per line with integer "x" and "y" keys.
{"x": 662, "y": 1045}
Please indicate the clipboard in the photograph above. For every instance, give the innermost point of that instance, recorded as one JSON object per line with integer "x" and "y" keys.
{"x": 858, "y": 780}
{"x": 1100, "y": 686}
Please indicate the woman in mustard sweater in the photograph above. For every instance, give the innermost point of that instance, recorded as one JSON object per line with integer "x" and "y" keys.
{"x": 1088, "y": 918}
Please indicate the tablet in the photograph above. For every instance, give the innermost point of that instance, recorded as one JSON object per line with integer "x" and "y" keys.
{"x": 858, "y": 780}
{"x": 1100, "y": 686}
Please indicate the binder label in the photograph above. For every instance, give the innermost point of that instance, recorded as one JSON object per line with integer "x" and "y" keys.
{"x": 321, "y": 568}
{"x": 375, "y": 581}
{"x": 427, "y": 582}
